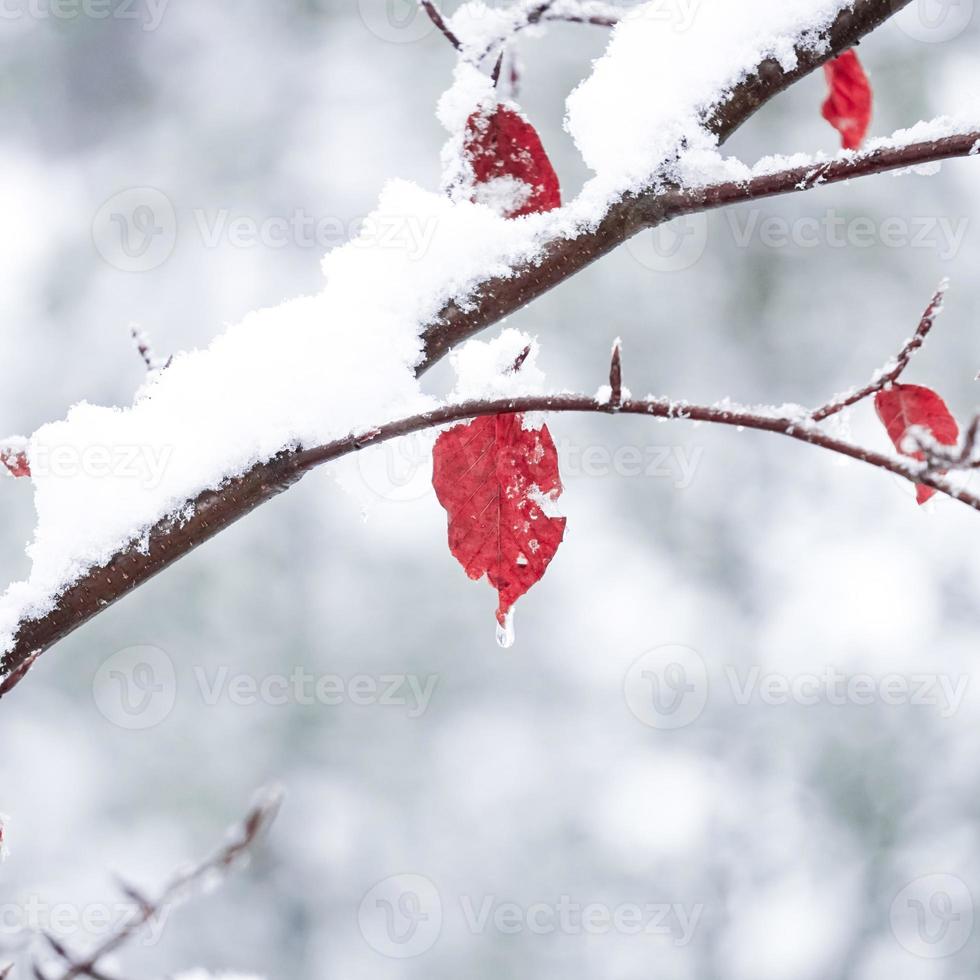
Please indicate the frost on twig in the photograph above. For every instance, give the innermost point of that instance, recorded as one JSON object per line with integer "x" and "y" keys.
{"x": 153, "y": 363}
{"x": 182, "y": 886}
{"x": 892, "y": 371}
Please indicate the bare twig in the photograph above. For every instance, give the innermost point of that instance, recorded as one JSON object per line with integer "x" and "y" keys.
{"x": 181, "y": 886}
{"x": 520, "y": 359}
{"x": 436, "y": 17}
{"x": 495, "y": 74}
{"x": 890, "y": 374}
{"x": 145, "y": 350}
{"x": 616, "y": 375}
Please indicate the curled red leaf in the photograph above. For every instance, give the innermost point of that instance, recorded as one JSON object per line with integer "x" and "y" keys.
{"x": 495, "y": 479}
{"x": 511, "y": 169}
{"x": 848, "y": 106}
{"x": 901, "y": 407}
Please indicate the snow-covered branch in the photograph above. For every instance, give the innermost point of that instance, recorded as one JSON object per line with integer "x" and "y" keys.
{"x": 238, "y": 415}
{"x": 945, "y": 139}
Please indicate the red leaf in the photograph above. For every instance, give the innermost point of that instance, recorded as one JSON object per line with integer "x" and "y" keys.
{"x": 15, "y": 461}
{"x": 502, "y": 144}
{"x": 902, "y": 406}
{"x": 492, "y": 476}
{"x": 848, "y": 107}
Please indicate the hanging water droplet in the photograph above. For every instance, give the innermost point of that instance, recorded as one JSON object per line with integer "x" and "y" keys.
{"x": 505, "y": 633}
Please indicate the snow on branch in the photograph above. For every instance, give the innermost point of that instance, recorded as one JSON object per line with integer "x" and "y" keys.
{"x": 222, "y": 430}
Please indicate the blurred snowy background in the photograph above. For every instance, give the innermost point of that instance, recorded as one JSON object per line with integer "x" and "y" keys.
{"x": 716, "y": 825}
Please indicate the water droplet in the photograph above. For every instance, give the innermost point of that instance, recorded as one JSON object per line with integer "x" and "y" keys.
{"x": 505, "y": 633}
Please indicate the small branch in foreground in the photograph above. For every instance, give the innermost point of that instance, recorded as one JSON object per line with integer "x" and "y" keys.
{"x": 888, "y": 376}
{"x": 258, "y": 819}
{"x": 145, "y": 351}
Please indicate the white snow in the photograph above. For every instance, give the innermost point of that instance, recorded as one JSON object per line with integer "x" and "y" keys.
{"x": 705, "y": 166}
{"x": 481, "y": 27}
{"x": 647, "y": 96}
{"x": 485, "y": 369}
{"x": 304, "y": 373}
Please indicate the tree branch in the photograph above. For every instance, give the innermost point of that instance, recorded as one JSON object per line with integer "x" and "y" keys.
{"x": 185, "y": 882}
{"x": 890, "y": 374}
{"x": 810, "y": 176}
{"x": 212, "y": 511}
{"x": 561, "y": 259}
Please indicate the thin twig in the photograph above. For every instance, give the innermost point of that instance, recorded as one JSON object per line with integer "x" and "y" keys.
{"x": 616, "y": 375}
{"x": 889, "y": 375}
{"x": 436, "y": 17}
{"x": 258, "y": 819}
{"x": 145, "y": 350}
